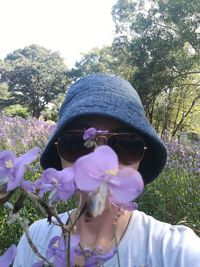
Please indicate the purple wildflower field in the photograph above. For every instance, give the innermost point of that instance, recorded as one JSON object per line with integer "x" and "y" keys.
{"x": 19, "y": 134}
{"x": 184, "y": 157}
{"x": 174, "y": 197}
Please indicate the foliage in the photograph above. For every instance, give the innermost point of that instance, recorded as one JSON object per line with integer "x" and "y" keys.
{"x": 174, "y": 110}
{"x": 16, "y": 110}
{"x": 101, "y": 60}
{"x": 157, "y": 49}
{"x": 10, "y": 234}
{"x": 163, "y": 43}
{"x": 20, "y": 135}
{"x": 35, "y": 76}
{"x": 4, "y": 94}
{"x": 174, "y": 197}
{"x": 51, "y": 113}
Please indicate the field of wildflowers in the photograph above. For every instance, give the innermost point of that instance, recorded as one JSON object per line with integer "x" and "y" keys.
{"x": 174, "y": 197}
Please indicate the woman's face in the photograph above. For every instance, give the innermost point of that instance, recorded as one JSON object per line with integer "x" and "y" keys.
{"x": 100, "y": 123}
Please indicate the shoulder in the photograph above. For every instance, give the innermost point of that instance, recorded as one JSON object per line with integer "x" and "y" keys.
{"x": 41, "y": 232}
{"x": 149, "y": 225}
{"x": 44, "y": 226}
{"x": 165, "y": 232}
{"x": 183, "y": 244}
{"x": 178, "y": 245}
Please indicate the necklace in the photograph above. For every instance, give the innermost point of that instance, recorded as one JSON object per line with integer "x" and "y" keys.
{"x": 98, "y": 256}
{"x": 93, "y": 257}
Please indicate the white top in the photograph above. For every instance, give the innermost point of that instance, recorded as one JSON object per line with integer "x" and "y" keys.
{"x": 147, "y": 242}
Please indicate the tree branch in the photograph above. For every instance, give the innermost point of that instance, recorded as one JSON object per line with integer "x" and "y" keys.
{"x": 185, "y": 115}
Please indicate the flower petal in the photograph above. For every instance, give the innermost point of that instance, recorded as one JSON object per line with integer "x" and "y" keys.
{"x": 13, "y": 184}
{"x": 7, "y": 258}
{"x": 89, "y": 133}
{"x": 65, "y": 195}
{"x": 90, "y": 170}
{"x": 130, "y": 187}
{"x": 75, "y": 239}
{"x": 29, "y": 156}
{"x": 6, "y": 156}
{"x": 38, "y": 264}
{"x": 130, "y": 206}
{"x": 87, "y": 173}
{"x": 106, "y": 157}
{"x": 28, "y": 185}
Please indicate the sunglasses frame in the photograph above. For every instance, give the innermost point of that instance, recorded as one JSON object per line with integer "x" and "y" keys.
{"x": 106, "y": 135}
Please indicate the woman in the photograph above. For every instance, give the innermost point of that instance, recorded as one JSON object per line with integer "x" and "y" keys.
{"x": 113, "y": 107}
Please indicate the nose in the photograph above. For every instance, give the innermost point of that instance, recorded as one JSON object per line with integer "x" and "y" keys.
{"x": 101, "y": 140}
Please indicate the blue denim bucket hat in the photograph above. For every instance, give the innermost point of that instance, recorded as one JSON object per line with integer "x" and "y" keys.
{"x": 110, "y": 96}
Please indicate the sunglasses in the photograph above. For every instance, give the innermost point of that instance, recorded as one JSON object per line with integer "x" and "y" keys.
{"x": 129, "y": 147}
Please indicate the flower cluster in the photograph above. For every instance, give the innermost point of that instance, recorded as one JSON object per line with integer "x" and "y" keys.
{"x": 97, "y": 173}
{"x": 12, "y": 168}
{"x": 56, "y": 251}
{"x": 23, "y": 134}
{"x": 90, "y": 173}
{"x": 184, "y": 157}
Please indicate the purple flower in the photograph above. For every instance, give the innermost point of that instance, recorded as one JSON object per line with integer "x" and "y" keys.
{"x": 7, "y": 258}
{"x": 23, "y": 133}
{"x": 89, "y": 133}
{"x": 74, "y": 241}
{"x": 102, "y": 165}
{"x": 59, "y": 183}
{"x": 28, "y": 185}
{"x": 12, "y": 168}
{"x": 57, "y": 250}
{"x": 89, "y": 136}
{"x": 38, "y": 264}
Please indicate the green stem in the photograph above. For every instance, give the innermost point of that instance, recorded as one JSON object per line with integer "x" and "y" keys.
{"x": 32, "y": 245}
{"x": 50, "y": 211}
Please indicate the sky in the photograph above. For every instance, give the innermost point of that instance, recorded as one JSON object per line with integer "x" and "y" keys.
{"x": 70, "y": 27}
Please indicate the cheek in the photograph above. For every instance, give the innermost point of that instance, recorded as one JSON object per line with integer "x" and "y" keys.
{"x": 65, "y": 163}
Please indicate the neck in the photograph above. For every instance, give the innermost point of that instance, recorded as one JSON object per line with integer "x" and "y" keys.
{"x": 102, "y": 230}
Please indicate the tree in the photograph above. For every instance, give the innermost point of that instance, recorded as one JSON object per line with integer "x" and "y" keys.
{"x": 174, "y": 110}
{"x": 35, "y": 76}
{"x": 4, "y": 94}
{"x": 102, "y": 60}
{"x": 162, "y": 40}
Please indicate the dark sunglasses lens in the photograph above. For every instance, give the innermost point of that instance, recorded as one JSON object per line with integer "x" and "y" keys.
{"x": 129, "y": 148}
{"x": 71, "y": 146}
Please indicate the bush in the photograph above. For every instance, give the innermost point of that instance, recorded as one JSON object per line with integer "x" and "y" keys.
{"x": 16, "y": 110}
{"x": 11, "y": 233}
